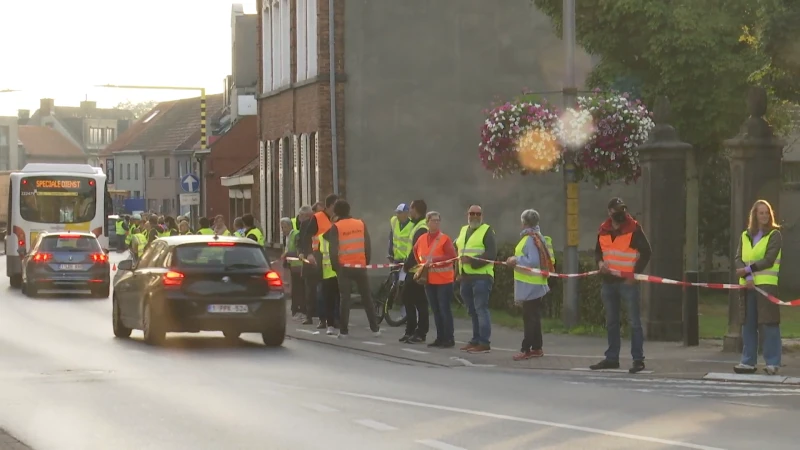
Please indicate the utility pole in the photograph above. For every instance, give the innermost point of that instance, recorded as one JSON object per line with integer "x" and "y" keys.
{"x": 569, "y": 313}
{"x": 199, "y": 155}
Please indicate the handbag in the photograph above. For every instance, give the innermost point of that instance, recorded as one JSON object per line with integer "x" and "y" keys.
{"x": 421, "y": 276}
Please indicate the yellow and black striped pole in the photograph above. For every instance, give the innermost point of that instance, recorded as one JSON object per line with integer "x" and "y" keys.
{"x": 203, "y": 127}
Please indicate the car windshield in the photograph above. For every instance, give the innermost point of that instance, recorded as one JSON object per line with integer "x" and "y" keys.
{"x": 69, "y": 244}
{"x": 227, "y": 257}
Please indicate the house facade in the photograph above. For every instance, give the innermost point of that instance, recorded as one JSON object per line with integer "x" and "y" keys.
{"x": 10, "y": 157}
{"x": 411, "y": 81}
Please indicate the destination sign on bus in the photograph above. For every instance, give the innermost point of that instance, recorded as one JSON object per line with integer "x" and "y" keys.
{"x": 58, "y": 184}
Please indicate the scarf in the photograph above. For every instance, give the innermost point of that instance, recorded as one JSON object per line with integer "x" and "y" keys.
{"x": 629, "y": 226}
{"x": 545, "y": 259}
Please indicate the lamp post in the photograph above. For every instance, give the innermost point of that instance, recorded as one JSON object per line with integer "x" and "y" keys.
{"x": 570, "y": 95}
{"x": 199, "y": 155}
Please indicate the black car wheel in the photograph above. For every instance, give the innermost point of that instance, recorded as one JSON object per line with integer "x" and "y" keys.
{"x": 120, "y": 330}
{"x": 275, "y": 333}
{"x": 15, "y": 281}
{"x": 154, "y": 334}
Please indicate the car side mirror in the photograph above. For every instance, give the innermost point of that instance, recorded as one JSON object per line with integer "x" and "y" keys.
{"x": 126, "y": 264}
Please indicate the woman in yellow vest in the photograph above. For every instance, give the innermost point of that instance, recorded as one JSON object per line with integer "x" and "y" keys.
{"x": 758, "y": 261}
{"x": 532, "y": 252}
{"x": 330, "y": 286}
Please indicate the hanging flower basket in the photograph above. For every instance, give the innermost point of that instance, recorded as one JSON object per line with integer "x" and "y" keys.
{"x": 528, "y": 136}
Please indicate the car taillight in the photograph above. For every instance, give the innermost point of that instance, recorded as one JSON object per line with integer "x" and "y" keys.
{"x": 42, "y": 257}
{"x": 172, "y": 278}
{"x": 221, "y": 244}
{"x": 69, "y": 236}
{"x": 273, "y": 279}
{"x": 101, "y": 258}
{"x": 20, "y": 234}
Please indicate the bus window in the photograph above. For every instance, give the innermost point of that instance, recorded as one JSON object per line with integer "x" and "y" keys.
{"x": 58, "y": 199}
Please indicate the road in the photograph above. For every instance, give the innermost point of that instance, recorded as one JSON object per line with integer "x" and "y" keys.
{"x": 66, "y": 383}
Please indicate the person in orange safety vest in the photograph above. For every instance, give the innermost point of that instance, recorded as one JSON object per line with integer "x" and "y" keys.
{"x": 621, "y": 247}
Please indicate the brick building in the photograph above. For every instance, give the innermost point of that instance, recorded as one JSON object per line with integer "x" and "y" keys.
{"x": 412, "y": 79}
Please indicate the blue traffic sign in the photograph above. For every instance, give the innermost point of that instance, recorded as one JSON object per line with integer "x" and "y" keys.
{"x": 190, "y": 183}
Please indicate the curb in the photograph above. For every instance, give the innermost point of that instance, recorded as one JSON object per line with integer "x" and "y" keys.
{"x": 752, "y": 378}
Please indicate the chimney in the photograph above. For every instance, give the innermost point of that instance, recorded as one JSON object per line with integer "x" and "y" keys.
{"x": 23, "y": 115}
{"x": 46, "y": 107}
{"x": 87, "y": 108}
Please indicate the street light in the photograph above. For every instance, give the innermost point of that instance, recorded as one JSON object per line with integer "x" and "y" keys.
{"x": 204, "y": 151}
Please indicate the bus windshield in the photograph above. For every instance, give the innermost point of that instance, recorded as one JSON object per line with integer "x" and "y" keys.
{"x": 57, "y": 199}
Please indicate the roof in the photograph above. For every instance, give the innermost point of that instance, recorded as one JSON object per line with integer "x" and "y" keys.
{"x": 174, "y": 125}
{"x": 45, "y": 141}
{"x": 246, "y": 169}
{"x": 72, "y": 117}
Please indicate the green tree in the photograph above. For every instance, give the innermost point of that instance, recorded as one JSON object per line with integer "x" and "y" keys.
{"x": 139, "y": 109}
{"x": 776, "y": 37}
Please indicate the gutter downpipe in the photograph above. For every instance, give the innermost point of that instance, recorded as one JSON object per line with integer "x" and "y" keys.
{"x": 332, "y": 76}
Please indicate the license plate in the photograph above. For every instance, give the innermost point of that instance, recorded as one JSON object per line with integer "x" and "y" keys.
{"x": 234, "y": 309}
{"x": 70, "y": 267}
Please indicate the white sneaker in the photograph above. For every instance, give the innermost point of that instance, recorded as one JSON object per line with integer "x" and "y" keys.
{"x": 771, "y": 370}
{"x": 377, "y": 333}
{"x": 744, "y": 368}
{"x": 330, "y": 331}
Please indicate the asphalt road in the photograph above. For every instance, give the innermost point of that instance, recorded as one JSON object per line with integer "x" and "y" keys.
{"x": 67, "y": 383}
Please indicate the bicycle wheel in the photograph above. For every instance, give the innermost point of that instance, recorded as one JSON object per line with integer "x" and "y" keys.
{"x": 379, "y": 299}
{"x": 394, "y": 311}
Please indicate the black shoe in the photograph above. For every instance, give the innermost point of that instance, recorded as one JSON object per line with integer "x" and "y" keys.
{"x": 435, "y": 344}
{"x": 448, "y": 344}
{"x": 405, "y": 338}
{"x": 605, "y": 364}
{"x": 637, "y": 367}
{"x": 416, "y": 340}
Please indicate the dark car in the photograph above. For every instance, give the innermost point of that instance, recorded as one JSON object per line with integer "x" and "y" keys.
{"x": 199, "y": 283}
{"x": 66, "y": 261}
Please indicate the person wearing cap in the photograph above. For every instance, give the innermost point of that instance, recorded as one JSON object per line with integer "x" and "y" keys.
{"x": 399, "y": 234}
{"x": 622, "y": 247}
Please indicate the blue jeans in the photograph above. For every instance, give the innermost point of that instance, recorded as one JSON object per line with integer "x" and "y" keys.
{"x": 440, "y": 297}
{"x": 771, "y": 335}
{"x": 475, "y": 293}
{"x": 612, "y": 295}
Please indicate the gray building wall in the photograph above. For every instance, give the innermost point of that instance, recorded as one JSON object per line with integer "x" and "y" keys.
{"x": 125, "y": 179}
{"x": 161, "y": 186}
{"x": 245, "y": 40}
{"x": 14, "y": 160}
{"x": 419, "y": 75}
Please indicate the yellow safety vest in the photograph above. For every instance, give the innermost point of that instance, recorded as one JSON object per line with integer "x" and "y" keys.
{"x": 120, "y": 230}
{"x": 141, "y": 242}
{"x": 521, "y": 274}
{"x": 549, "y": 243}
{"x": 473, "y": 247}
{"x": 205, "y": 231}
{"x": 751, "y": 254}
{"x": 401, "y": 239}
{"x": 257, "y": 234}
{"x": 133, "y": 229}
{"x": 291, "y": 246}
{"x": 327, "y": 267}
{"x": 238, "y": 233}
{"x": 294, "y": 224}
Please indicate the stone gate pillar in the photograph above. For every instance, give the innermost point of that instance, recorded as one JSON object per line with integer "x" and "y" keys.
{"x": 663, "y": 159}
{"x": 755, "y": 157}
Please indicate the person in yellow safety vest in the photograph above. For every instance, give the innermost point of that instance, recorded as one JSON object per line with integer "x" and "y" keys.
{"x": 415, "y": 301}
{"x": 219, "y": 226}
{"x": 400, "y": 227}
{"x": 308, "y": 246}
{"x": 139, "y": 242}
{"x": 171, "y": 226}
{"x": 295, "y": 266}
{"x": 622, "y": 247}
{"x": 121, "y": 229}
{"x": 330, "y": 288}
{"x": 758, "y": 264}
{"x": 238, "y": 225}
{"x": 252, "y": 232}
{"x": 184, "y": 228}
{"x": 529, "y": 288}
{"x": 133, "y": 227}
{"x": 205, "y": 226}
{"x": 477, "y": 240}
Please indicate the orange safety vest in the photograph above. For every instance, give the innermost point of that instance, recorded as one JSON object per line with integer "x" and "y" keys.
{"x": 436, "y": 274}
{"x": 618, "y": 254}
{"x": 323, "y": 225}
{"x": 352, "y": 249}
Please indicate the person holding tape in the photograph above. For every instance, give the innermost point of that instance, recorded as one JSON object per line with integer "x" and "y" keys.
{"x": 413, "y": 293}
{"x": 758, "y": 261}
{"x": 308, "y": 249}
{"x": 621, "y": 247}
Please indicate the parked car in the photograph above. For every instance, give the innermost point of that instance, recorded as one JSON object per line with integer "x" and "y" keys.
{"x": 199, "y": 283}
{"x": 66, "y": 261}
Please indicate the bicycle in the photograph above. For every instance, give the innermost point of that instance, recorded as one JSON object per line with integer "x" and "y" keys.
{"x": 388, "y": 300}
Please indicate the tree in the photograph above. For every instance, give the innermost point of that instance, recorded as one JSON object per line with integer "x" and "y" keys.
{"x": 139, "y": 109}
{"x": 699, "y": 55}
{"x": 776, "y": 37}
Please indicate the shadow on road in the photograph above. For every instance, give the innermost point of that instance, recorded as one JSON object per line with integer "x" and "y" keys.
{"x": 190, "y": 343}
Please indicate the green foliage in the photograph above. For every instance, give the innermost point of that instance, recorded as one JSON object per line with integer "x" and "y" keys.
{"x": 776, "y": 38}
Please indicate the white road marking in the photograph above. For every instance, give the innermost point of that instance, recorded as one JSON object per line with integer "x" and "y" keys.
{"x": 411, "y": 350}
{"x": 320, "y": 408}
{"x": 373, "y": 343}
{"x": 469, "y": 363}
{"x": 792, "y": 380}
{"x": 377, "y": 426}
{"x": 306, "y": 331}
{"x": 438, "y": 445}
{"x": 715, "y": 361}
{"x": 586, "y": 369}
{"x": 566, "y": 426}
{"x": 772, "y": 379}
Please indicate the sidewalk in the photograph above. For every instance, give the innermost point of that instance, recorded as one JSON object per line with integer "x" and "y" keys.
{"x": 562, "y": 352}
{"x": 8, "y": 442}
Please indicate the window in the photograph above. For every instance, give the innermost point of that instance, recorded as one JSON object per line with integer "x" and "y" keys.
{"x": 279, "y": 55}
{"x": 136, "y": 171}
{"x": 315, "y": 144}
{"x": 70, "y": 243}
{"x": 151, "y": 168}
{"x": 286, "y": 43}
{"x": 266, "y": 47}
{"x": 57, "y": 199}
{"x": 305, "y": 170}
{"x": 269, "y": 189}
{"x": 96, "y": 136}
{"x": 166, "y": 167}
{"x": 5, "y": 148}
{"x": 296, "y": 186}
{"x": 306, "y": 28}
{"x": 241, "y": 256}
{"x": 137, "y": 194}
{"x": 275, "y": 16}
{"x": 110, "y": 135}
{"x": 128, "y": 171}
{"x": 166, "y": 206}
{"x": 281, "y": 179}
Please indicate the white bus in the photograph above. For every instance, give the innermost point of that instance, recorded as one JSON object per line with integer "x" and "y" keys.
{"x": 53, "y": 197}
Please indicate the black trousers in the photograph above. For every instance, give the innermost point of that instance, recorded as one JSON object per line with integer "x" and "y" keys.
{"x": 347, "y": 276}
{"x": 532, "y": 323}
{"x": 311, "y": 279}
{"x": 416, "y": 304}
{"x": 298, "y": 293}
{"x": 330, "y": 297}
